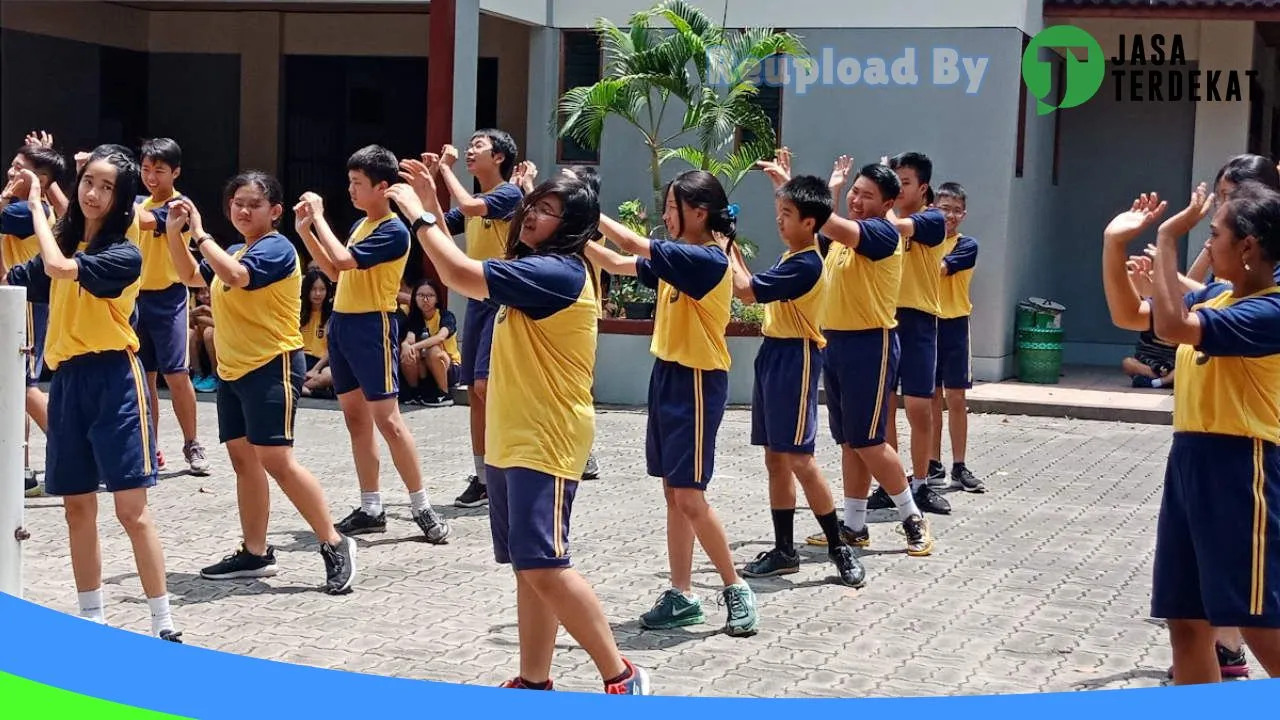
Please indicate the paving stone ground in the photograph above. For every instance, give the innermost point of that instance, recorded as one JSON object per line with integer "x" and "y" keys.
{"x": 1040, "y": 585}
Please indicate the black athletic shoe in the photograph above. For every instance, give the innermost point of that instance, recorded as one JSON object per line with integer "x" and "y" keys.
{"x": 773, "y": 562}
{"x": 592, "y": 472}
{"x": 171, "y": 636}
{"x": 919, "y": 536}
{"x": 438, "y": 400}
{"x": 360, "y": 522}
{"x": 476, "y": 494}
{"x": 339, "y": 566}
{"x": 928, "y": 500}
{"x": 880, "y": 500}
{"x": 965, "y": 480}
{"x": 431, "y": 524}
{"x": 242, "y": 564}
{"x": 848, "y": 566}
{"x": 937, "y": 474}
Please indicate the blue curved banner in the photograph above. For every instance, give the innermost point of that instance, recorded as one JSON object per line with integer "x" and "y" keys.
{"x": 64, "y": 652}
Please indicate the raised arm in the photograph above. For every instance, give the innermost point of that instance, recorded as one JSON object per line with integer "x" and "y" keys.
{"x": 1174, "y": 322}
{"x": 1128, "y": 310}
{"x": 469, "y": 204}
{"x": 336, "y": 255}
{"x": 183, "y": 261}
{"x": 610, "y": 261}
{"x": 624, "y": 237}
{"x": 304, "y": 224}
{"x": 742, "y": 288}
{"x": 456, "y": 270}
{"x": 222, "y": 265}
{"x": 56, "y": 265}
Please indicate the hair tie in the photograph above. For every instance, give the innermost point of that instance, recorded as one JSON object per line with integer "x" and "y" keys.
{"x": 733, "y": 211}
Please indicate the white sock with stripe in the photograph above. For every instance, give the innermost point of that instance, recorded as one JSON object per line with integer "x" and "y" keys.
{"x": 161, "y": 618}
{"x": 419, "y": 501}
{"x": 91, "y": 606}
{"x": 371, "y": 503}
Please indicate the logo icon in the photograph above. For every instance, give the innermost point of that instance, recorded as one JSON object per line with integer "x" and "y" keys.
{"x": 1082, "y": 78}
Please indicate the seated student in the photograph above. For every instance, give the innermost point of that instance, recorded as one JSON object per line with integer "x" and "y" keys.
{"x": 1151, "y": 365}
{"x": 317, "y": 305}
{"x": 429, "y": 360}
{"x": 204, "y": 359}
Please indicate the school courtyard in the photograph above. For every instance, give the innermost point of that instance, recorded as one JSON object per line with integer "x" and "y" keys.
{"x": 1040, "y": 585}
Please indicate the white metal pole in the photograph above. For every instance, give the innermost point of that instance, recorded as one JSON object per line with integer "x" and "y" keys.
{"x": 13, "y": 412}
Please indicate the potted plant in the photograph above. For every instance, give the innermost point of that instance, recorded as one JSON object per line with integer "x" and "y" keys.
{"x": 636, "y": 301}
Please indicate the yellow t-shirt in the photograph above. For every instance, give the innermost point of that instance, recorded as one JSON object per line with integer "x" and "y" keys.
{"x": 314, "y": 336}
{"x": 158, "y": 270}
{"x": 540, "y": 411}
{"x": 862, "y": 282}
{"x": 487, "y": 235}
{"x": 960, "y": 254}
{"x": 444, "y": 318}
{"x": 259, "y": 322}
{"x": 381, "y": 249}
{"x": 1230, "y": 384}
{"x": 695, "y": 294}
{"x": 921, "y": 259}
{"x": 794, "y": 296}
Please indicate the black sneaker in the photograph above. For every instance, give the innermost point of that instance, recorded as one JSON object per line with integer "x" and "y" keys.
{"x": 928, "y": 500}
{"x": 856, "y": 538}
{"x": 880, "y": 500}
{"x": 360, "y": 522}
{"x": 848, "y": 566}
{"x": 339, "y": 566}
{"x": 172, "y": 636}
{"x": 773, "y": 562}
{"x": 476, "y": 494}
{"x": 436, "y": 530}
{"x": 439, "y": 400}
{"x": 937, "y": 474}
{"x": 242, "y": 564}
{"x": 962, "y": 478}
{"x": 592, "y": 471}
{"x": 919, "y": 536}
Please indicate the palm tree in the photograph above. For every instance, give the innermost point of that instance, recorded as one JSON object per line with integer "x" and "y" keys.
{"x": 712, "y": 72}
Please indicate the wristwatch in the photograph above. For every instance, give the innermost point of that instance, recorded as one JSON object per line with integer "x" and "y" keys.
{"x": 427, "y": 220}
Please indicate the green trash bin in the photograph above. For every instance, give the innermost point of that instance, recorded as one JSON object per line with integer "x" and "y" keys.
{"x": 1039, "y": 355}
{"x": 1026, "y": 315}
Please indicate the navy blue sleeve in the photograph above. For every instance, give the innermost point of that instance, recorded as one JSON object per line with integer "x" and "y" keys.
{"x": 162, "y": 219}
{"x": 538, "y": 285}
{"x": 16, "y": 220}
{"x": 1204, "y": 294}
{"x": 645, "y": 274}
{"x": 930, "y": 227}
{"x": 788, "y": 280}
{"x": 500, "y": 204}
{"x": 878, "y": 239}
{"x": 108, "y": 272}
{"x": 32, "y": 276}
{"x": 389, "y": 242}
{"x": 448, "y": 322}
{"x": 692, "y": 269}
{"x": 455, "y": 222}
{"x": 269, "y": 260}
{"x": 206, "y": 270}
{"x": 964, "y": 257}
{"x": 1249, "y": 327}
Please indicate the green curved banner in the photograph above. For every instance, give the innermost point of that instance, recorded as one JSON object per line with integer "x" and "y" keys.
{"x": 20, "y": 698}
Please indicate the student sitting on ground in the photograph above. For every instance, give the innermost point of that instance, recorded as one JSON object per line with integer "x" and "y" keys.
{"x": 204, "y": 359}
{"x": 1151, "y": 365}
{"x": 430, "y": 363}
{"x": 317, "y": 305}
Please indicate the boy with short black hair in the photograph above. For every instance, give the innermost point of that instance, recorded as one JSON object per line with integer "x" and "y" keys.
{"x": 364, "y": 337}
{"x": 784, "y": 406}
{"x": 161, "y": 320}
{"x": 955, "y": 357}
{"x": 491, "y": 158}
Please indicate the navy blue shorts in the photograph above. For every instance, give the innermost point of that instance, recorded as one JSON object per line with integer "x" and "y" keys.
{"x": 364, "y": 354}
{"x": 1218, "y": 536}
{"x": 262, "y": 406}
{"x": 955, "y": 363}
{"x": 918, "y": 338}
{"x": 529, "y": 517}
{"x": 477, "y": 341}
{"x": 99, "y": 428}
{"x": 784, "y": 398}
{"x": 162, "y": 324}
{"x": 685, "y": 410}
{"x": 859, "y": 370}
{"x": 37, "y": 330}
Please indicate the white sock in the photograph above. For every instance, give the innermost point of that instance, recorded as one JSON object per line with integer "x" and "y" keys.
{"x": 906, "y": 504}
{"x": 916, "y": 483}
{"x": 161, "y": 619}
{"x": 855, "y": 513}
{"x": 91, "y": 606}
{"x": 479, "y": 462}
{"x": 371, "y": 503}
{"x": 418, "y": 501}
{"x": 690, "y": 596}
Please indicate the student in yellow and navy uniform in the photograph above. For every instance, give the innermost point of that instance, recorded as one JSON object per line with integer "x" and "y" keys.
{"x": 860, "y": 364}
{"x": 99, "y": 434}
{"x": 429, "y": 356}
{"x": 955, "y": 357}
{"x": 1217, "y": 562}
{"x": 18, "y": 245}
{"x": 255, "y": 290}
{"x": 784, "y": 402}
{"x": 364, "y": 337}
{"x": 689, "y": 385}
{"x": 485, "y": 219}
{"x": 161, "y": 320}
{"x": 317, "y": 308}
{"x": 922, "y": 229}
{"x": 541, "y": 419}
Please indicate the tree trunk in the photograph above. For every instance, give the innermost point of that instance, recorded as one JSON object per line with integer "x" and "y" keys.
{"x": 655, "y": 170}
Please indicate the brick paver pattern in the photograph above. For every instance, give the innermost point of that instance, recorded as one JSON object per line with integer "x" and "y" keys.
{"x": 1042, "y": 584}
